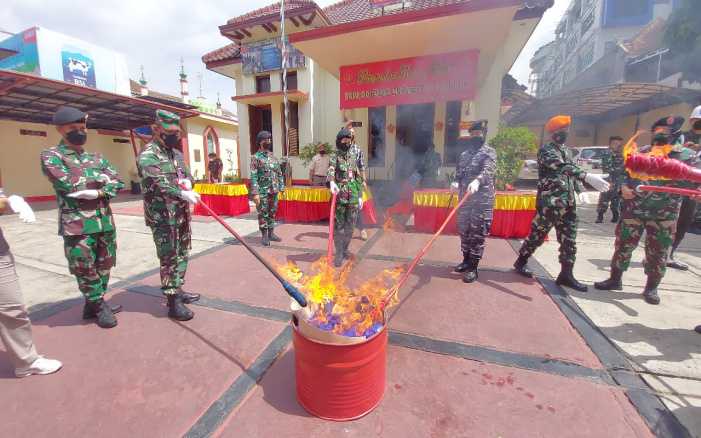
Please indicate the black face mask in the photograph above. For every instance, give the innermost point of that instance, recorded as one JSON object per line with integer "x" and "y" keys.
{"x": 77, "y": 137}
{"x": 322, "y": 152}
{"x": 560, "y": 137}
{"x": 660, "y": 139}
{"x": 696, "y": 126}
{"x": 476, "y": 141}
{"x": 171, "y": 140}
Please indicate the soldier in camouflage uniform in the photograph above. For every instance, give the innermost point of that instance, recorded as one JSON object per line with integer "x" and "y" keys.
{"x": 84, "y": 183}
{"x": 559, "y": 182}
{"x": 475, "y": 174}
{"x": 650, "y": 212}
{"x": 346, "y": 182}
{"x": 612, "y": 163}
{"x": 267, "y": 180}
{"x": 167, "y": 185}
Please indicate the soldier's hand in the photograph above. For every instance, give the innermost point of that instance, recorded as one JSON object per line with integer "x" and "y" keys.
{"x": 190, "y": 196}
{"x": 473, "y": 187}
{"x": 89, "y": 194}
{"x": 454, "y": 186}
{"x": 360, "y": 203}
{"x": 256, "y": 200}
{"x": 597, "y": 182}
{"x": 185, "y": 183}
{"x": 20, "y": 206}
{"x": 334, "y": 188}
{"x": 627, "y": 192}
{"x": 104, "y": 179}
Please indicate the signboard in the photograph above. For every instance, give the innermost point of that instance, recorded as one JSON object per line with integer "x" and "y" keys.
{"x": 26, "y": 60}
{"x": 78, "y": 67}
{"x": 264, "y": 56}
{"x": 434, "y": 78}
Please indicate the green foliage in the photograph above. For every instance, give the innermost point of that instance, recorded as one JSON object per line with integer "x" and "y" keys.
{"x": 513, "y": 145}
{"x": 309, "y": 150}
{"x": 683, "y": 37}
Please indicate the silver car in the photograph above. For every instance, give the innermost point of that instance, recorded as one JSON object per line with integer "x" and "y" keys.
{"x": 589, "y": 158}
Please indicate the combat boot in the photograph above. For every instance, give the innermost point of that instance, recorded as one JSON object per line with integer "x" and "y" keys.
{"x": 521, "y": 266}
{"x": 471, "y": 275}
{"x": 103, "y": 313}
{"x": 600, "y": 217}
{"x": 674, "y": 264}
{"x": 464, "y": 265}
{"x": 566, "y": 278}
{"x": 177, "y": 309}
{"x": 90, "y": 312}
{"x": 265, "y": 239}
{"x": 614, "y": 282}
{"x": 616, "y": 217}
{"x": 650, "y": 293}
{"x": 188, "y": 298}
{"x": 272, "y": 236}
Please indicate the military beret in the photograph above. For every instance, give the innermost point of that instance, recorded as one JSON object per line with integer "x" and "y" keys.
{"x": 343, "y": 133}
{"x": 166, "y": 119}
{"x": 557, "y": 123}
{"x": 67, "y": 114}
{"x": 673, "y": 123}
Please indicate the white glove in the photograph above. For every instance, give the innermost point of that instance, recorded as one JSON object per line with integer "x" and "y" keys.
{"x": 360, "y": 203}
{"x": 89, "y": 194}
{"x": 334, "y": 188}
{"x": 190, "y": 196}
{"x": 20, "y": 206}
{"x": 185, "y": 183}
{"x": 454, "y": 186}
{"x": 473, "y": 187}
{"x": 581, "y": 198}
{"x": 597, "y": 182}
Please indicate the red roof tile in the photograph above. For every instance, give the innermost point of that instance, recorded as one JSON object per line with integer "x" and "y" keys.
{"x": 274, "y": 8}
{"x": 229, "y": 52}
{"x": 348, "y": 11}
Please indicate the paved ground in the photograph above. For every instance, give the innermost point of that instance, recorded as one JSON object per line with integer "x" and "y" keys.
{"x": 504, "y": 357}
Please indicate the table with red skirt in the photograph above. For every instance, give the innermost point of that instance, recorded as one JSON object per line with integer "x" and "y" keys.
{"x": 513, "y": 212}
{"x": 313, "y": 204}
{"x": 223, "y": 199}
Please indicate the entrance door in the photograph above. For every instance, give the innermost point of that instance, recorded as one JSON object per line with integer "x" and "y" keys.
{"x": 414, "y": 136}
{"x": 260, "y": 118}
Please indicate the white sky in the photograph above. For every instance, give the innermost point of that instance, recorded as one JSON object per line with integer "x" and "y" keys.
{"x": 157, "y": 34}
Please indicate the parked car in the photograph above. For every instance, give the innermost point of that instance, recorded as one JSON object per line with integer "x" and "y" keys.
{"x": 589, "y": 158}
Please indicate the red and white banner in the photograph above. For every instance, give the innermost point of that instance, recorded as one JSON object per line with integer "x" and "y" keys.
{"x": 433, "y": 78}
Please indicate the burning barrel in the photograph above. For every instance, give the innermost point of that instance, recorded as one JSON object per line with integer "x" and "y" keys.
{"x": 338, "y": 377}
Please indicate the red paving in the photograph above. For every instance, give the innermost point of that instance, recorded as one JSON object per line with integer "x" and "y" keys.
{"x": 153, "y": 377}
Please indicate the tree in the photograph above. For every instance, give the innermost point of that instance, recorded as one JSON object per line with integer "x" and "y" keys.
{"x": 683, "y": 37}
{"x": 513, "y": 146}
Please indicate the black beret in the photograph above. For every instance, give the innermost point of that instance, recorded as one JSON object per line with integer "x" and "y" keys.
{"x": 68, "y": 114}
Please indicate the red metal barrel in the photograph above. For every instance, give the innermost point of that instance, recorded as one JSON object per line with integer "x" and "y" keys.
{"x": 340, "y": 382}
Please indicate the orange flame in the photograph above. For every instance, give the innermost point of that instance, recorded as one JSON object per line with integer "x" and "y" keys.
{"x": 631, "y": 147}
{"x": 335, "y": 305}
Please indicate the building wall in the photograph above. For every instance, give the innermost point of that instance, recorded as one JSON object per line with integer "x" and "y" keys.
{"x": 227, "y": 132}
{"x": 19, "y": 157}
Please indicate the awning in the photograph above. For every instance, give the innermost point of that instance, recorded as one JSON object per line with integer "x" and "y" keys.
{"x": 269, "y": 98}
{"x": 601, "y": 103}
{"x": 29, "y": 98}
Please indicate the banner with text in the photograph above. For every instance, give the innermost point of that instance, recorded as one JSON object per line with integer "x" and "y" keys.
{"x": 434, "y": 78}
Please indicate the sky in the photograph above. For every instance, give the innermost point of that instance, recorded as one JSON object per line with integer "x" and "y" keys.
{"x": 158, "y": 34}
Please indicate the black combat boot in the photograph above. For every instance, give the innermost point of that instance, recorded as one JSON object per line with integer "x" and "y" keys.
{"x": 90, "y": 312}
{"x": 616, "y": 217}
{"x": 650, "y": 293}
{"x": 600, "y": 217}
{"x": 613, "y": 283}
{"x": 177, "y": 309}
{"x": 697, "y": 329}
{"x": 566, "y": 278}
{"x": 103, "y": 313}
{"x": 521, "y": 266}
{"x": 272, "y": 236}
{"x": 462, "y": 267}
{"x": 471, "y": 275}
{"x": 188, "y": 298}
{"x": 265, "y": 239}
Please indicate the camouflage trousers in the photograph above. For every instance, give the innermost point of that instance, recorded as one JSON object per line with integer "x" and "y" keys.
{"x": 565, "y": 222}
{"x": 90, "y": 258}
{"x": 345, "y": 218}
{"x": 173, "y": 243}
{"x": 267, "y": 209}
{"x": 660, "y": 235}
{"x": 612, "y": 198}
{"x": 474, "y": 223}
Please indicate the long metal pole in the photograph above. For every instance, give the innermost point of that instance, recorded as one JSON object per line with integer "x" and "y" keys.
{"x": 283, "y": 39}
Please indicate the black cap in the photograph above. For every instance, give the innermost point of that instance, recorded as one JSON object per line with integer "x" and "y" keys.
{"x": 263, "y": 135}
{"x": 68, "y": 114}
{"x": 673, "y": 123}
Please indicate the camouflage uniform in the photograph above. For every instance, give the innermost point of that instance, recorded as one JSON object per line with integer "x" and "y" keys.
{"x": 475, "y": 215}
{"x": 345, "y": 171}
{"x": 267, "y": 180}
{"x": 87, "y": 226}
{"x": 612, "y": 163}
{"x": 559, "y": 180}
{"x": 654, "y": 213}
{"x": 165, "y": 212}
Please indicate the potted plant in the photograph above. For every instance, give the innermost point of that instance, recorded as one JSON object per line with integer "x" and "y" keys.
{"x": 513, "y": 145}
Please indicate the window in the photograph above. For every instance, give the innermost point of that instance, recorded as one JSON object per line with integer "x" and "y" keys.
{"x": 452, "y": 132}
{"x": 291, "y": 80}
{"x": 291, "y": 148}
{"x": 587, "y": 23}
{"x": 377, "y": 121}
{"x": 263, "y": 84}
{"x": 211, "y": 146}
{"x": 585, "y": 58}
{"x": 618, "y": 13}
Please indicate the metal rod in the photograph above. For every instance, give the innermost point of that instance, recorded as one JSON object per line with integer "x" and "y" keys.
{"x": 332, "y": 221}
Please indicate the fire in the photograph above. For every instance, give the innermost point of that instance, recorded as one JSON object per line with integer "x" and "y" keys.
{"x": 337, "y": 307}
{"x": 631, "y": 148}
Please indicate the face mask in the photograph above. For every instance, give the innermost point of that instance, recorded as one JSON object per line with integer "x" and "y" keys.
{"x": 697, "y": 126}
{"x": 660, "y": 139}
{"x": 322, "y": 152}
{"x": 171, "y": 140}
{"x": 560, "y": 137}
{"x": 77, "y": 137}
